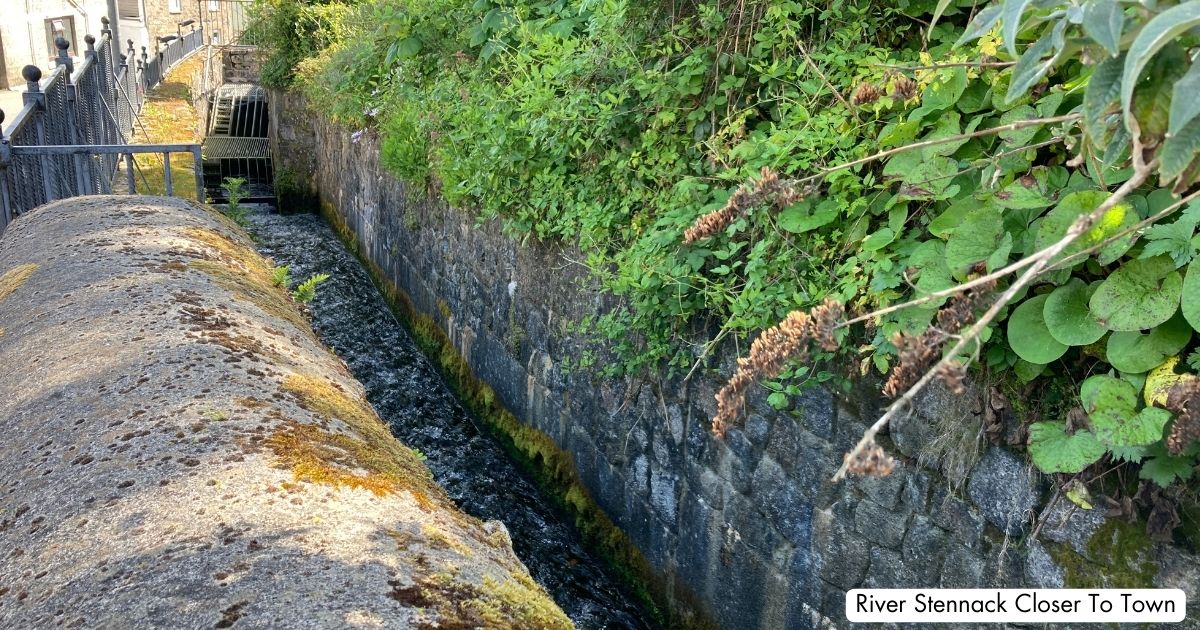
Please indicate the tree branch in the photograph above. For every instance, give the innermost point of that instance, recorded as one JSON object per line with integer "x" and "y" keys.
{"x": 1013, "y": 126}
{"x": 1037, "y": 263}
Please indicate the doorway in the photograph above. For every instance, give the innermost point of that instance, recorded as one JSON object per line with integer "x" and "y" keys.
{"x": 3, "y": 67}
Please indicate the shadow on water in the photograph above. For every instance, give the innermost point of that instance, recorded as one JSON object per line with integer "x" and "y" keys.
{"x": 352, "y": 317}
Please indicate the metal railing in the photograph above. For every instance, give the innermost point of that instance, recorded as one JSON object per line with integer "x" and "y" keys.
{"x": 64, "y": 142}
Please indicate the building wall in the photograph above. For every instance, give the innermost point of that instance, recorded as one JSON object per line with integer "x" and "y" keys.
{"x": 23, "y": 31}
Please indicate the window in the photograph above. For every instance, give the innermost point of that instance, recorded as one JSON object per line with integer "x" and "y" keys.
{"x": 129, "y": 9}
{"x": 174, "y": 6}
{"x": 214, "y": 5}
{"x": 63, "y": 27}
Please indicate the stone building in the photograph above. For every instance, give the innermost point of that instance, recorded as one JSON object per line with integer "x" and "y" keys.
{"x": 29, "y": 28}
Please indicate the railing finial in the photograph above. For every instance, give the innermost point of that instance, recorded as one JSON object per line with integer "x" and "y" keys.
{"x": 63, "y": 58}
{"x": 105, "y": 27}
{"x": 91, "y": 45}
{"x": 33, "y": 75}
{"x": 33, "y": 89}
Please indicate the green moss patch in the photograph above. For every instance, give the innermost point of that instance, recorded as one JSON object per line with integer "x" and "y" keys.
{"x": 373, "y": 460}
{"x": 1119, "y": 556}
{"x": 450, "y": 603}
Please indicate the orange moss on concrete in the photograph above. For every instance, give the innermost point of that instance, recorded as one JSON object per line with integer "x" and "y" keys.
{"x": 373, "y": 459}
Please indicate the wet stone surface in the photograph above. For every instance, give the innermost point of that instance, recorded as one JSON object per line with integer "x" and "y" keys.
{"x": 407, "y": 391}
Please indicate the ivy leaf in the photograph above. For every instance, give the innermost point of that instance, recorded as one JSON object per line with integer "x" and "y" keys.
{"x": 1161, "y": 379}
{"x": 1140, "y": 295}
{"x": 1067, "y": 315}
{"x": 942, "y": 94}
{"x": 999, "y": 258}
{"x": 796, "y": 218}
{"x": 1135, "y": 352}
{"x": 1158, "y": 32}
{"x": 1103, "y": 89}
{"x": 1031, "y": 67}
{"x": 975, "y": 239}
{"x": 1184, "y": 104}
{"x": 1027, "y": 371}
{"x": 1110, "y": 396}
{"x": 1053, "y": 451}
{"x": 1022, "y": 194}
{"x": 1056, "y": 223}
{"x": 1191, "y": 295}
{"x": 944, "y": 224}
{"x": 1028, "y": 335}
{"x": 1142, "y": 429}
{"x": 1103, "y": 21}
{"x": 1019, "y": 137}
{"x": 878, "y": 240}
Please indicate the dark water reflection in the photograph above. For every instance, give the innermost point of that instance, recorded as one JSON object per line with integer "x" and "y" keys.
{"x": 408, "y": 392}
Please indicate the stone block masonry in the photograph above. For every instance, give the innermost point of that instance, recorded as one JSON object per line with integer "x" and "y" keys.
{"x": 180, "y": 451}
{"x": 748, "y": 528}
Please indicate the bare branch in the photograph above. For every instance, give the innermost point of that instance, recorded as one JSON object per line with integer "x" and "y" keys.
{"x": 1036, "y": 264}
{"x": 1013, "y": 126}
{"x": 939, "y": 66}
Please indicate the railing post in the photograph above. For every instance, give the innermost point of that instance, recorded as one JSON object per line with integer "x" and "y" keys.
{"x": 170, "y": 186}
{"x": 129, "y": 173}
{"x": 33, "y": 94}
{"x": 106, "y": 33}
{"x": 63, "y": 58}
{"x": 77, "y": 160}
{"x": 197, "y": 168}
{"x": 6, "y": 210}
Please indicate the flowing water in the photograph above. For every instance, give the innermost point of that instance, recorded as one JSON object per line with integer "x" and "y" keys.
{"x": 407, "y": 390}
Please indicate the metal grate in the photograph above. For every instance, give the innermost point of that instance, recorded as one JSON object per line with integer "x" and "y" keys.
{"x": 228, "y": 147}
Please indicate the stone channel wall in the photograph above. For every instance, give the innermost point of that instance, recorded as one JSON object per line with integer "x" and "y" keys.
{"x": 750, "y": 526}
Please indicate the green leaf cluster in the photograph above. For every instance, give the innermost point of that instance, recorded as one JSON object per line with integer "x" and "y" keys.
{"x": 613, "y": 125}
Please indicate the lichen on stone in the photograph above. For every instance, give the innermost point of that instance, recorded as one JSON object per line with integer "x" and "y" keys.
{"x": 14, "y": 278}
{"x": 238, "y": 269}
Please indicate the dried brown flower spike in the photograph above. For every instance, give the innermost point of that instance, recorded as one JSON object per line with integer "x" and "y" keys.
{"x": 918, "y": 353}
{"x": 871, "y": 461}
{"x": 866, "y": 93}
{"x": 904, "y": 88}
{"x": 1184, "y": 399}
{"x": 767, "y": 188}
{"x": 787, "y": 340}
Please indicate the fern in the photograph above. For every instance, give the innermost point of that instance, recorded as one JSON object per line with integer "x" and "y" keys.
{"x": 308, "y": 289}
{"x": 235, "y": 192}
{"x": 281, "y": 276}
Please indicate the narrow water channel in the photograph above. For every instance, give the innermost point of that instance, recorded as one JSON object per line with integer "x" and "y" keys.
{"x": 407, "y": 390}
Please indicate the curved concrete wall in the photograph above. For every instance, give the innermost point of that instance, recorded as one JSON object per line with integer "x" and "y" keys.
{"x": 180, "y": 451}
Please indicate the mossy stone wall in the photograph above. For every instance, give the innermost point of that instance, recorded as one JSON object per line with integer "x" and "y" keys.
{"x": 746, "y": 531}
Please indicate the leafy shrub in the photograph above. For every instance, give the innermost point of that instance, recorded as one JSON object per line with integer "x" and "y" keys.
{"x": 615, "y": 125}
